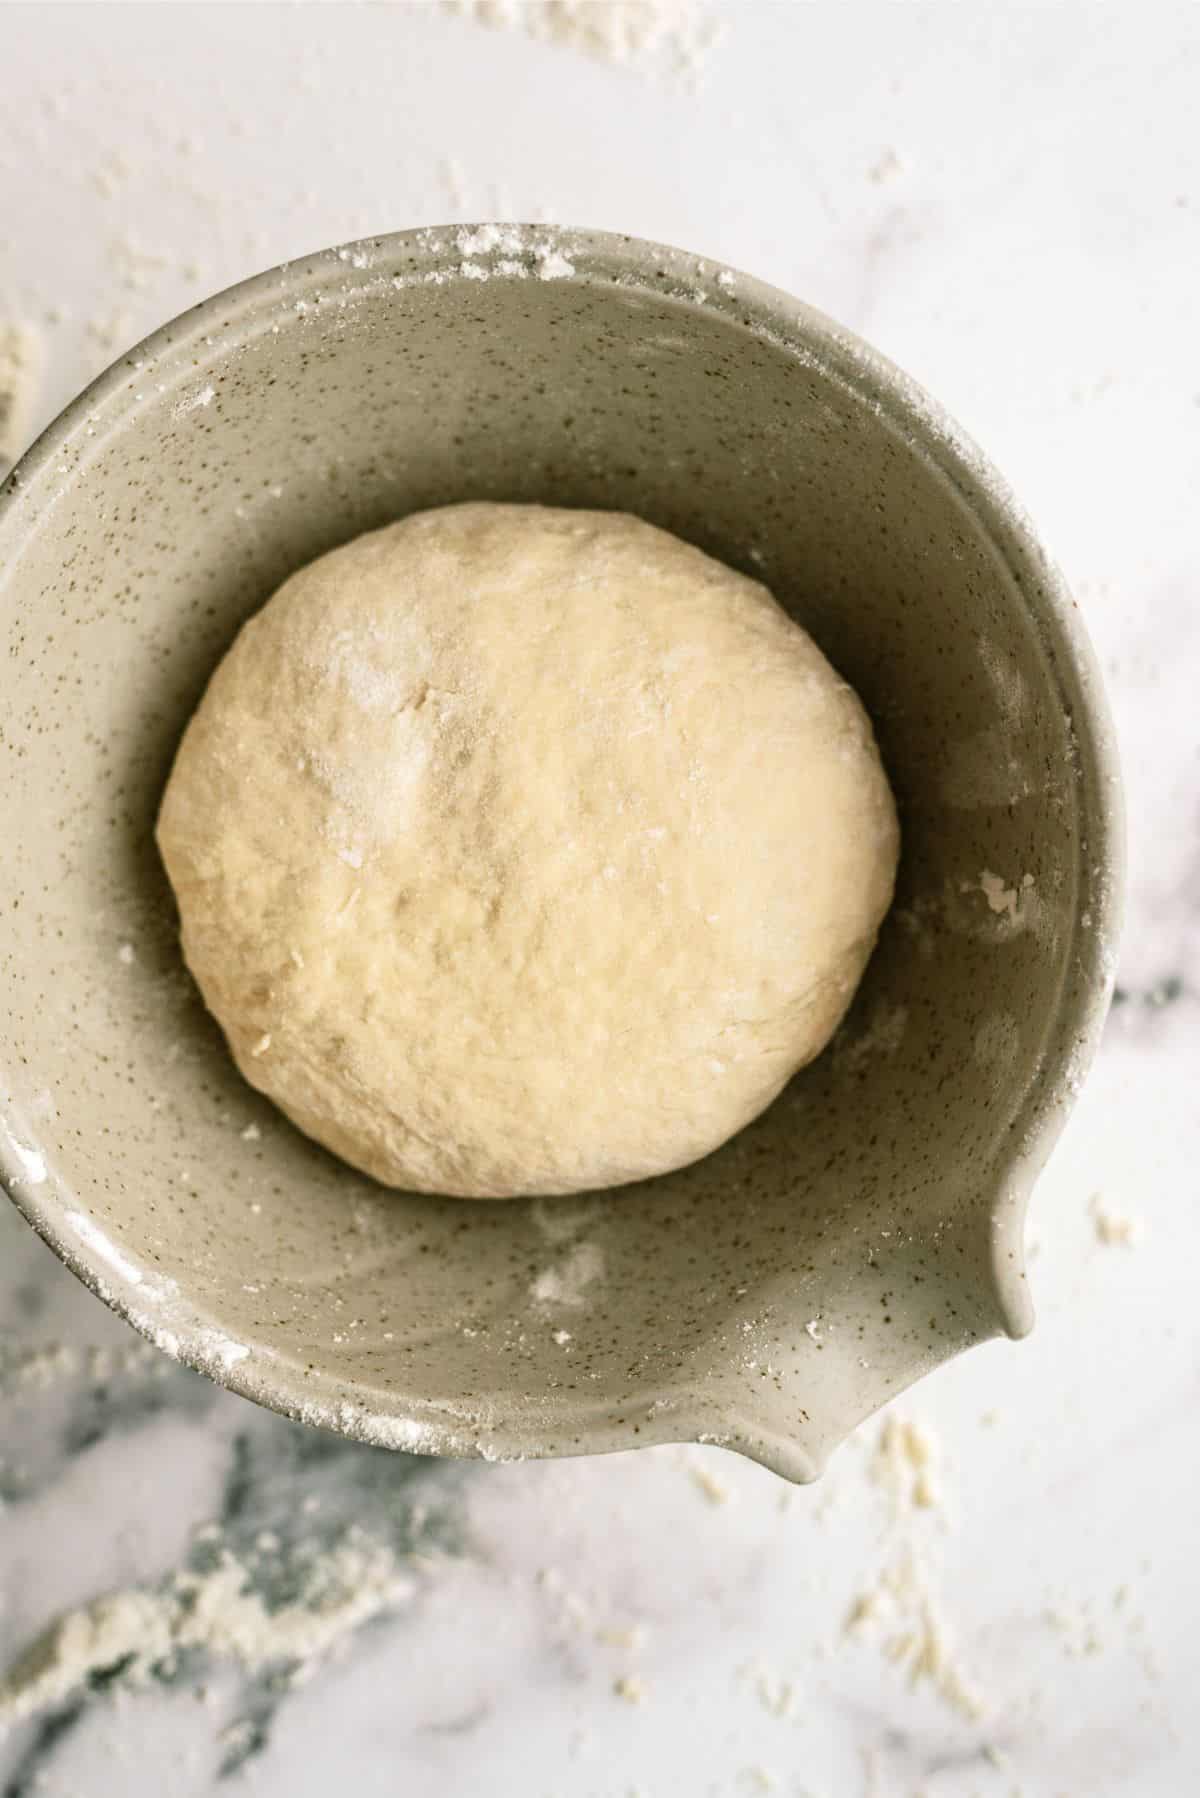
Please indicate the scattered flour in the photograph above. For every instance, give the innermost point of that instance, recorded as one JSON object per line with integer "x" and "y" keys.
{"x": 215, "y": 1346}
{"x": 30, "y": 1161}
{"x": 1113, "y": 1229}
{"x": 776, "y": 1695}
{"x": 762, "y": 1779}
{"x": 552, "y": 265}
{"x": 485, "y": 238}
{"x": 775, "y": 1692}
{"x": 583, "y": 1615}
{"x": 663, "y": 37}
{"x": 1008, "y": 909}
{"x": 917, "y": 1637}
{"x": 566, "y": 1283}
{"x": 524, "y": 253}
{"x": 1003, "y": 899}
{"x": 405, "y": 1433}
{"x": 900, "y": 1606}
{"x": 714, "y": 1490}
{"x": 36, "y": 1369}
{"x": 141, "y": 1629}
{"x": 887, "y": 165}
{"x": 195, "y": 402}
{"x": 904, "y": 1466}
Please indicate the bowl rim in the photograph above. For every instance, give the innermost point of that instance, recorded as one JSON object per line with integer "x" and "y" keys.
{"x": 606, "y": 260}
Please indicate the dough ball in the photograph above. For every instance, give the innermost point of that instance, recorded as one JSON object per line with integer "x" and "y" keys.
{"x": 524, "y": 851}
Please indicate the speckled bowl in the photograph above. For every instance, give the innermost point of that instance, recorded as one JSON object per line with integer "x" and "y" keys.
{"x": 863, "y": 1230}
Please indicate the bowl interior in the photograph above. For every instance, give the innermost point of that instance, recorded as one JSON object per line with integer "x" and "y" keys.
{"x": 769, "y": 1296}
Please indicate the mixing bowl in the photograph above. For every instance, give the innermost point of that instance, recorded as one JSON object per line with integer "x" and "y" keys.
{"x": 869, "y": 1225}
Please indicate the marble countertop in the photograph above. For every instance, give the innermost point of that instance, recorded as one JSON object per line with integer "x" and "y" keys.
{"x": 992, "y": 1592}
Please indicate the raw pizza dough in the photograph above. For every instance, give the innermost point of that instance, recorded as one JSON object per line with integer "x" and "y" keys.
{"x": 526, "y": 851}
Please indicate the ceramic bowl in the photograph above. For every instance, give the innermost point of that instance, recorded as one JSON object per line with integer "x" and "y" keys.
{"x": 869, "y": 1225}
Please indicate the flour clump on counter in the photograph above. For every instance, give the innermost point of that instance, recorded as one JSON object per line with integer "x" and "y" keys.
{"x": 670, "y": 36}
{"x": 526, "y": 851}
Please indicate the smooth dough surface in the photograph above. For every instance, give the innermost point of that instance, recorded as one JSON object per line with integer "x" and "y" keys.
{"x": 521, "y": 850}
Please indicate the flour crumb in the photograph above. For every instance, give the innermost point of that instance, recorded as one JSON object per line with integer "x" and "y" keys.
{"x": 562, "y": 1337}
{"x": 776, "y": 1694}
{"x": 552, "y": 265}
{"x": 904, "y": 1465}
{"x": 762, "y": 1779}
{"x": 886, "y": 167}
{"x": 812, "y": 1329}
{"x": 867, "y": 1607}
{"x": 1113, "y": 1229}
{"x": 714, "y": 1490}
{"x": 31, "y": 1161}
{"x": 251, "y": 1133}
{"x": 195, "y": 402}
{"x": 127, "y": 955}
{"x": 485, "y": 238}
{"x": 1000, "y": 898}
{"x": 262, "y": 1045}
{"x": 918, "y": 1638}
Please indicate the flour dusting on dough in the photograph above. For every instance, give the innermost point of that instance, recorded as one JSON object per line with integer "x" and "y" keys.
{"x": 470, "y": 899}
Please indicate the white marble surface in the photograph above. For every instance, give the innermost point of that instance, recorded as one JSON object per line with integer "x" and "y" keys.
{"x": 1007, "y": 202}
